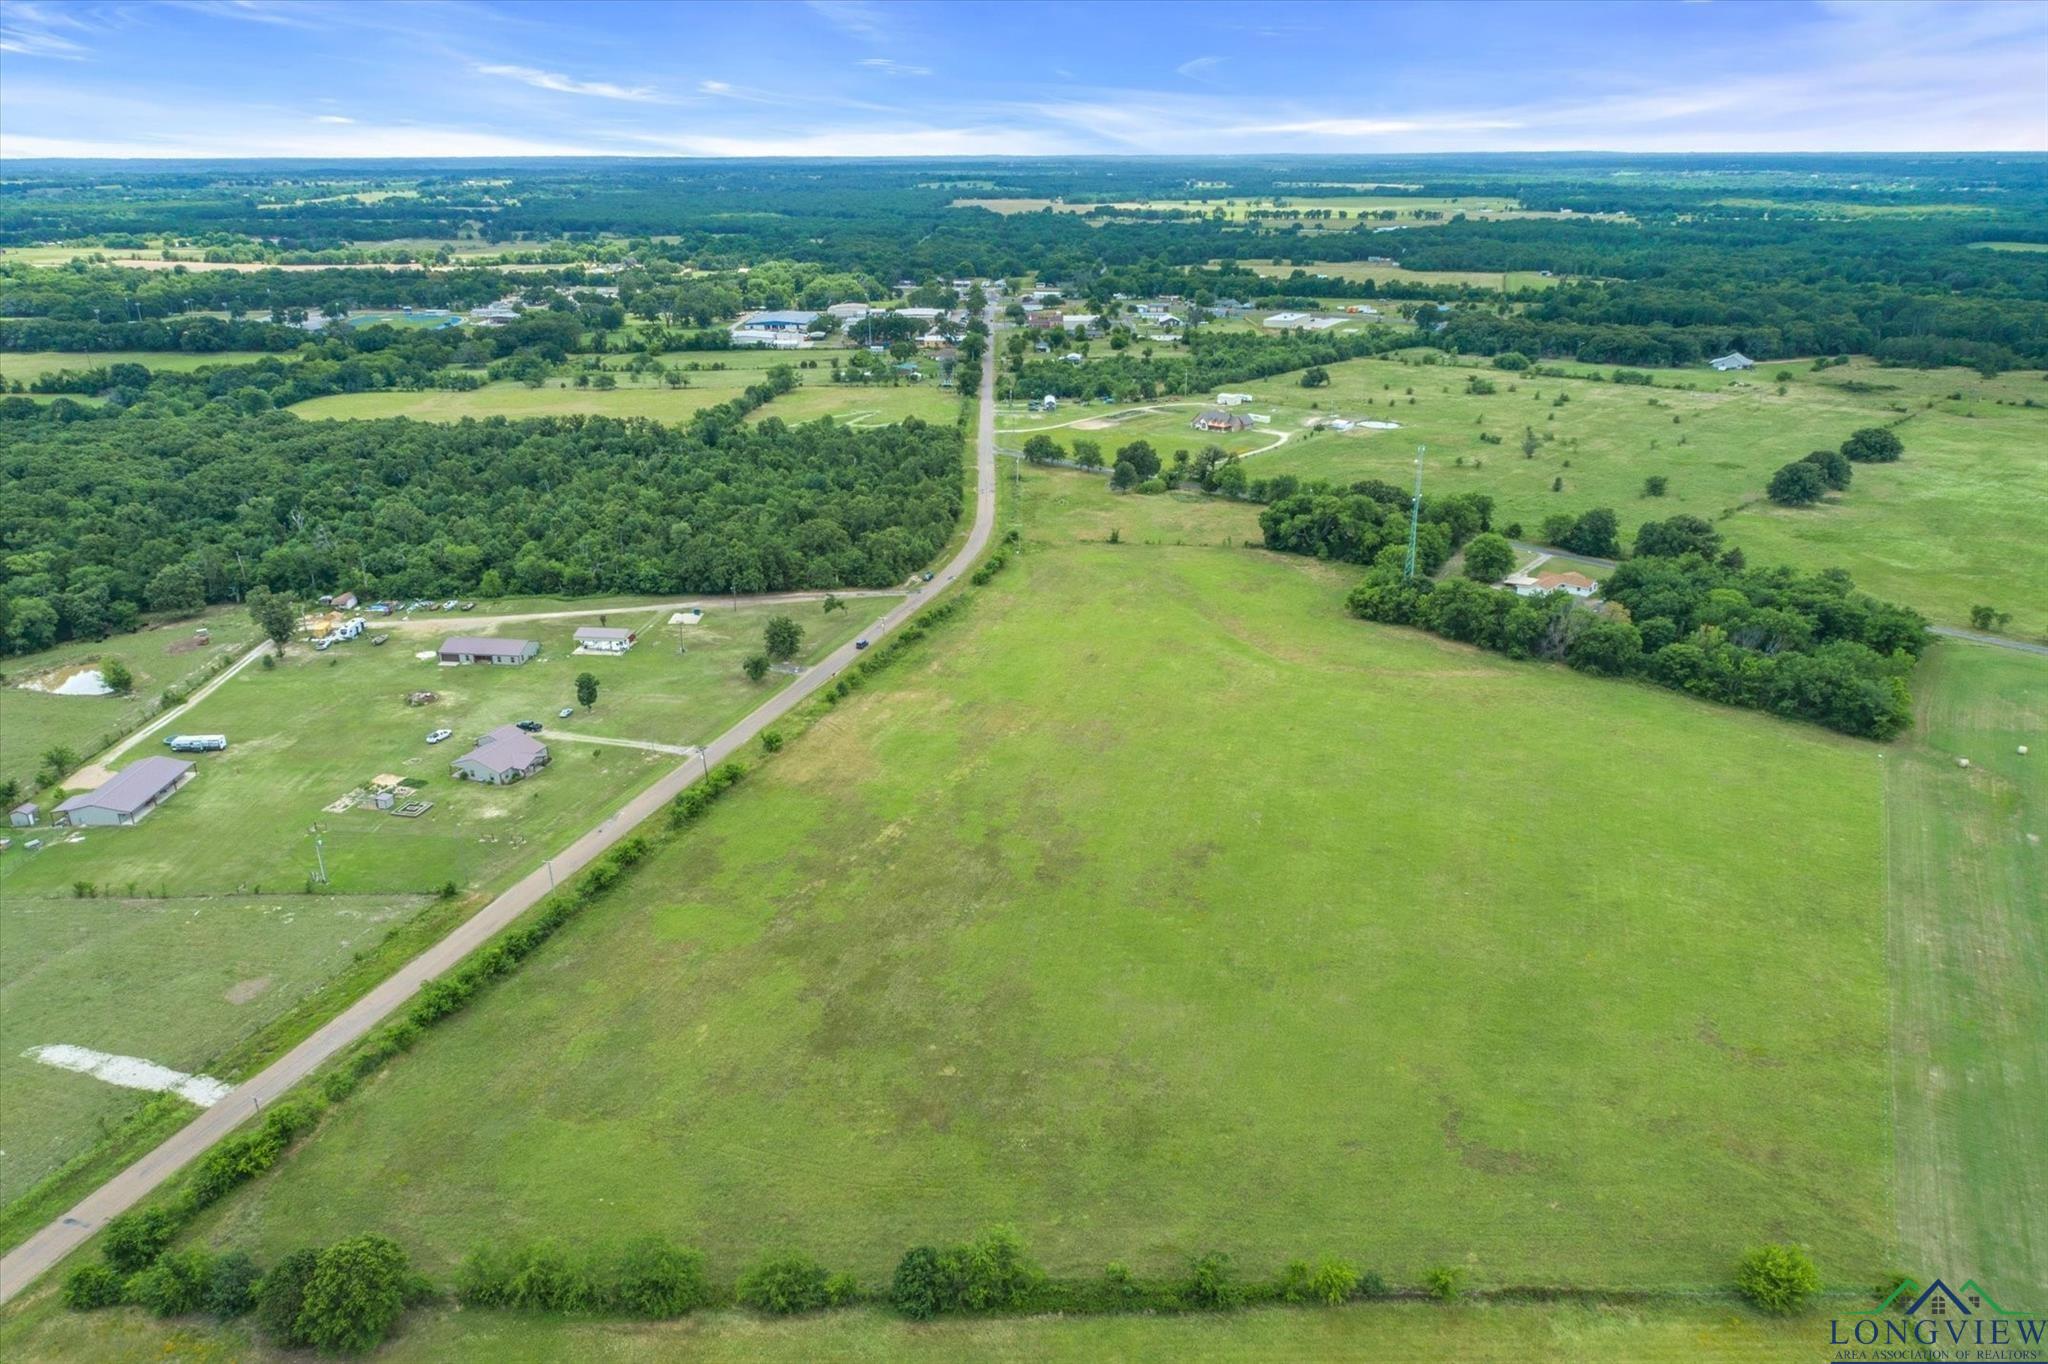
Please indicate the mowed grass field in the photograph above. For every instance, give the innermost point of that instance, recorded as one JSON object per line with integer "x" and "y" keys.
{"x": 1472, "y": 1334}
{"x": 178, "y": 982}
{"x": 1394, "y": 274}
{"x": 306, "y": 733}
{"x": 163, "y": 657}
{"x": 26, "y": 366}
{"x": 1968, "y": 885}
{"x": 1953, "y": 524}
{"x": 1419, "y": 956}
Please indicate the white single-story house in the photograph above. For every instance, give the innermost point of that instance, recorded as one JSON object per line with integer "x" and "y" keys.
{"x": 503, "y": 756}
{"x": 1734, "y": 359}
{"x": 1577, "y": 584}
{"x": 1232, "y": 399}
{"x": 472, "y": 649}
{"x": 599, "y": 639}
{"x": 23, "y": 816}
{"x": 126, "y": 796}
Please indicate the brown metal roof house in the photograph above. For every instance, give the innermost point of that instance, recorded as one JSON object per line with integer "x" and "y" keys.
{"x": 127, "y": 796}
{"x": 503, "y": 756}
{"x": 472, "y": 649}
{"x": 1216, "y": 419}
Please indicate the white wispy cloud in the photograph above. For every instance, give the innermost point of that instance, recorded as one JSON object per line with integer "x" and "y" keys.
{"x": 569, "y": 85}
{"x": 332, "y": 118}
{"x": 35, "y": 30}
{"x": 854, "y": 17}
{"x": 889, "y": 66}
{"x": 1197, "y": 66}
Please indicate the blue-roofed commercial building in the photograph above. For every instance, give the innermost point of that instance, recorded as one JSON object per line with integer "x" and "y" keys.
{"x": 782, "y": 330}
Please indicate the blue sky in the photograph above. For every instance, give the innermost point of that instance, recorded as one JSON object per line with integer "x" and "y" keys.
{"x": 336, "y": 78}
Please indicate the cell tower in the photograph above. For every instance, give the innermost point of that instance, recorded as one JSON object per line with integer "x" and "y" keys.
{"x": 1414, "y": 513}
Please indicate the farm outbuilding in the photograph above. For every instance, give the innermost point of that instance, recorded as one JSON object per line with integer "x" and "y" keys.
{"x": 503, "y": 756}
{"x": 23, "y": 816}
{"x": 598, "y": 639}
{"x": 473, "y": 649}
{"x": 127, "y": 796}
{"x": 1734, "y": 359}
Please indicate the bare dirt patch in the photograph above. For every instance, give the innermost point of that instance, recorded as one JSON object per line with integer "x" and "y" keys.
{"x": 242, "y": 991}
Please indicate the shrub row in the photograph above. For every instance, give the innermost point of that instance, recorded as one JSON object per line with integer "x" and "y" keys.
{"x": 648, "y": 1278}
{"x": 692, "y": 803}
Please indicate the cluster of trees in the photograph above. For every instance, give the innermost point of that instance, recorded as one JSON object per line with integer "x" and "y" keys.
{"x": 1804, "y": 645}
{"x": 1805, "y": 481}
{"x": 342, "y": 1299}
{"x": 108, "y": 518}
{"x": 1367, "y": 523}
{"x": 1210, "y": 359}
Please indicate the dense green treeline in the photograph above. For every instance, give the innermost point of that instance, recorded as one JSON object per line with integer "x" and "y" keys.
{"x": 107, "y": 518}
{"x": 1211, "y": 358}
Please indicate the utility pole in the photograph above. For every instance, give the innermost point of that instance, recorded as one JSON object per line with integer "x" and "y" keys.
{"x": 319, "y": 854}
{"x": 1414, "y": 513}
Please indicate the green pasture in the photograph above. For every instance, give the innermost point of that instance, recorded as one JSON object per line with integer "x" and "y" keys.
{"x": 162, "y": 657}
{"x": 959, "y": 956}
{"x": 1385, "y": 275}
{"x": 2011, "y": 246}
{"x": 28, "y": 365}
{"x": 1953, "y": 524}
{"x": 1969, "y": 948}
{"x": 305, "y": 733}
{"x": 1521, "y": 1333}
{"x": 178, "y": 982}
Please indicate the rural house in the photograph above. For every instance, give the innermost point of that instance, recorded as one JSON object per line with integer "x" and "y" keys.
{"x": 598, "y": 639}
{"x": 1734, "y": 359}
{"x": 503, "y": 756}
{"x": 1577, "y": 584}
{"x": 1216, "y": 419}
{"x": 471, "y": 649}
{"x": 127, "y": 796}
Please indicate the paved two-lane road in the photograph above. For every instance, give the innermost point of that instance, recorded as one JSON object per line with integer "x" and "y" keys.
{"x": 21, "y": 1266}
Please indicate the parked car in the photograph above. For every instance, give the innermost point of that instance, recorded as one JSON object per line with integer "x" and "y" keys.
{"x": 450, "y": 605}
{"x": 376, "y": 640}
{"x": 927, "y": 577}
{"x": 469, "y": 606}
{"x": 565, "y": 712}
{"x": 530, "y": 726}
{"x": 860, "y": 644}
{"x": 438, "y": 735}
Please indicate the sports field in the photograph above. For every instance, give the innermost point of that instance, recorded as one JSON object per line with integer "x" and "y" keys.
{"x": 1953, "y": 524}
{"x": 959, "y": 955}
{"x": 307, "y": 733}
{"x": 162, "y": 658}
{"x": 177, "y": 982}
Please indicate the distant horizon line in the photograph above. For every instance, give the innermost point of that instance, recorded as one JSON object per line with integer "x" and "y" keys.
{"x": 1204, "y": 158}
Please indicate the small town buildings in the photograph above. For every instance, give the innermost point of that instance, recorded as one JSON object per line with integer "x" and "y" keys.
{"x": 1043, "y": 319}
{"x": 503, "y": 756}
{"x": 126, "y": 796}
{"x": 495, "y": 314}
{"x": 1734, "y": 359}
{"x": 850, "y": 312}
{"x": 1232, "y": 399}
{"x": 1216, "y": 419}
{"x": 345, "y": 601}
{"x": 599, "y": 639}
{"x": 471, "y": 649}
{"x": 23, "y": 816}
{"x": 783, "y": 330}
{"x": 920, "y": 314}
{"x": 934, "y": 340}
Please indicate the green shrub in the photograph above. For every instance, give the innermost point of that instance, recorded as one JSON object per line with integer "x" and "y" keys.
{"x": 91, "y": 1287}
{"x": 771, "y": 741}
{"x": 998, "y": 1275}
{"x": 177, "y": 1285}
{"x": 356, "y": 1291}
{"x": 281, "y": 1295}
{"x": 232, "y": 1290}
{"x": 783, "y": 1285}
{"x": 919, "y": 1288}
{"x": 841, "y": 1290}
{"x": 1443, "y": 1282}
{"x": 1210, "y": 1286}
{"x": 1777, "y": 1278}
{"x": 1333, "y": 1282}
{"x": 545, "y": 1279}
{"x": 134, "y": 1239}
{"x": 656, "y": 1279}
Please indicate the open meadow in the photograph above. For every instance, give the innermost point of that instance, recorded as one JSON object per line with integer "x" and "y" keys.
{"x": 168, "y": 657}
{"x": 177, "y": 982}
{"x": 956, "y": 957}
{"x": 1385, "y": 276}
{"x": 1951, "y": 525}
{"x": 26, "y": 366}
